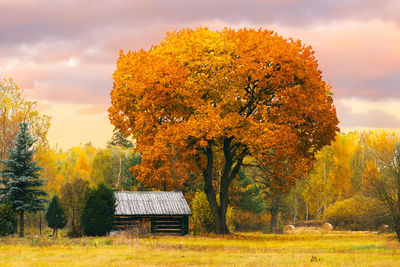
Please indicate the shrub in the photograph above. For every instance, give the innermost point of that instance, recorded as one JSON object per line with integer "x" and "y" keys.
{"x": 8, "y": 219}
{"x": 98, "y": 213}
{"x": 202, "y": 219}
{"x": 249, "y": 221}
{"x": 73, "y": 199}
{"x": 357, "y": 213}
{"x": 55, "y": 216}
{"x": 138, "y": 230}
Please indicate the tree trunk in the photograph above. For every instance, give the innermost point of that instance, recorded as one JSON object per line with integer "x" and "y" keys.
{"x": 119, "y": 172}
{"x": 229, "y": 173}
{"x": 398, "y": 233}
{"x": 294, "y": 208}
{"x": 397, "y": 217}
{"x": 274, "y": 220}
{"x": 21, "y": 223}
{"x": 306, "y": 212}
{"x": 396, "y": 221}
{"x": 216, "y": 210}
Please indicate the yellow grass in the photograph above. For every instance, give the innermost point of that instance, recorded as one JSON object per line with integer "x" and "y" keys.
{"x": 301, "y": 248}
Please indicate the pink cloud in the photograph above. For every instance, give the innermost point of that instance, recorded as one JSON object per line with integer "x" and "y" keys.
{"x": 65, "y": 51}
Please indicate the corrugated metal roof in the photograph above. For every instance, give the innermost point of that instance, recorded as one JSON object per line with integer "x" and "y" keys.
{"x": 151, "y": 203}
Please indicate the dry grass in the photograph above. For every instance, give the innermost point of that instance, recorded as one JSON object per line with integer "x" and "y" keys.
{"x": 300, "y": 248}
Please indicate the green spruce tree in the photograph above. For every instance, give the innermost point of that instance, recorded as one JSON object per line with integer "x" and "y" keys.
{"x": 118, "y": 139}
{"x": 8, "y": 218}
{"x": 98, "y": 214}
{"x": 20, "y": 179}
{"x": 55, "y": 216}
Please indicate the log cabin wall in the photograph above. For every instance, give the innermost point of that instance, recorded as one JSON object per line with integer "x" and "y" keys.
{"x": 167, "y": 212}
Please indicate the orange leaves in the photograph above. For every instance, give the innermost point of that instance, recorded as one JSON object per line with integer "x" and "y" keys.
{"x": 263, "y": 91}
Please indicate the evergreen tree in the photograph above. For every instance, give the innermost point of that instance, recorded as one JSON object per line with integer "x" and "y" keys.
{"x": 118, "y": 139}
{"x": 55, "y": 216}
{"x": 249, "y": 198}
{"x": 121, "y": 143}
{"x": 98, "y": 214}
{"x": 131, "y": 183}
{"x": 8, "y": 219}
{"x": 20, "y": 178}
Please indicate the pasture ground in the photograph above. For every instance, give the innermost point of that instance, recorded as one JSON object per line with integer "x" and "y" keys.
{"x": 299, "y": 248}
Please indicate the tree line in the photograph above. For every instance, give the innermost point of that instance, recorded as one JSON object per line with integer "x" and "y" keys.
{"x": 31, "y": 172}
{"x": 89, "y": 210}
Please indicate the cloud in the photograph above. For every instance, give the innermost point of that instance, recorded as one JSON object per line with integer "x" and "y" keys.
{"x": 63, "y": 52}
{"x": 66, "y": 51}
{"x": 356, "y": 113}
{"x": 36, "y": 20}
{"x": 359, "y": 59}
{"x": 69, "y": 78}
{"x": 371, "y": 119}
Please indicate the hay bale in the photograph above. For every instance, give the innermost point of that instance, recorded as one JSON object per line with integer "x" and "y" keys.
{"x": 384, "y": 228}
{"x": 289, "y": 227}
{"x": 327, "y": 227}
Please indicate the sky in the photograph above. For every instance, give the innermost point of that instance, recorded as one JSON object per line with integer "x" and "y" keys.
{"x": 63, "y": 53}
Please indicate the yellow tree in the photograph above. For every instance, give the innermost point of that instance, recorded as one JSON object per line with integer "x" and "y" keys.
{"x": 343, "y": 148}
{"x": 330, "y": 179}
{"x": 200, "y": 93}
{"x": 318, "y": 193}
{"x": 382, "y": 171}
{"x": 51, "y": 161}
{"x": 14, "y": 108}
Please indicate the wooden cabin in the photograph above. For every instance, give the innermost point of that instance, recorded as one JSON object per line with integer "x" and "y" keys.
{"x": 164, "y": 212}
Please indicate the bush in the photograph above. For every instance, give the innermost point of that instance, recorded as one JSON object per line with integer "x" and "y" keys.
{"x": 8, "y": 219}
{"x": 55, "y": 216}
{"x": 202, "y": 220}
{"x": 138, "y": 230}
{"x": 73, "y": 199}
{"x": 98, "y": 213}
{"x": 248, "y": 221}
{"x": 357, "y": 213}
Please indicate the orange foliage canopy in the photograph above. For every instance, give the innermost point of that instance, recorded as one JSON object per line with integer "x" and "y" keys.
{"x": 245, "y": 93}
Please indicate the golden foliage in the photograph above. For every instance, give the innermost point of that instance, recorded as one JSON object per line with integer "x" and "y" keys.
{"x": 263, "y": 92}
{"x": 14, "y": 108}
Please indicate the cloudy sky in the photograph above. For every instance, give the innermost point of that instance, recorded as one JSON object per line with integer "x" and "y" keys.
{"x": 63, "y": 52}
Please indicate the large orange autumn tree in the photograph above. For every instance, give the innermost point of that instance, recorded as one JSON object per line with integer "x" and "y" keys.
{"x": 201, "y": 93}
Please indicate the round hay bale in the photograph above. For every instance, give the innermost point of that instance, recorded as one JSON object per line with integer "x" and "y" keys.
{"x": 384, "y": 228}
{"x": 327, "y": 227}
{"x": 289, "y": 227}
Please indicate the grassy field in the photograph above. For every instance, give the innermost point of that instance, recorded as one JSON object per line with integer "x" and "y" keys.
{"x": 253, "y": 249}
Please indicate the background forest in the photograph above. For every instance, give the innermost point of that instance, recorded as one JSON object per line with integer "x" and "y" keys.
{"x": 340, "y": 188}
